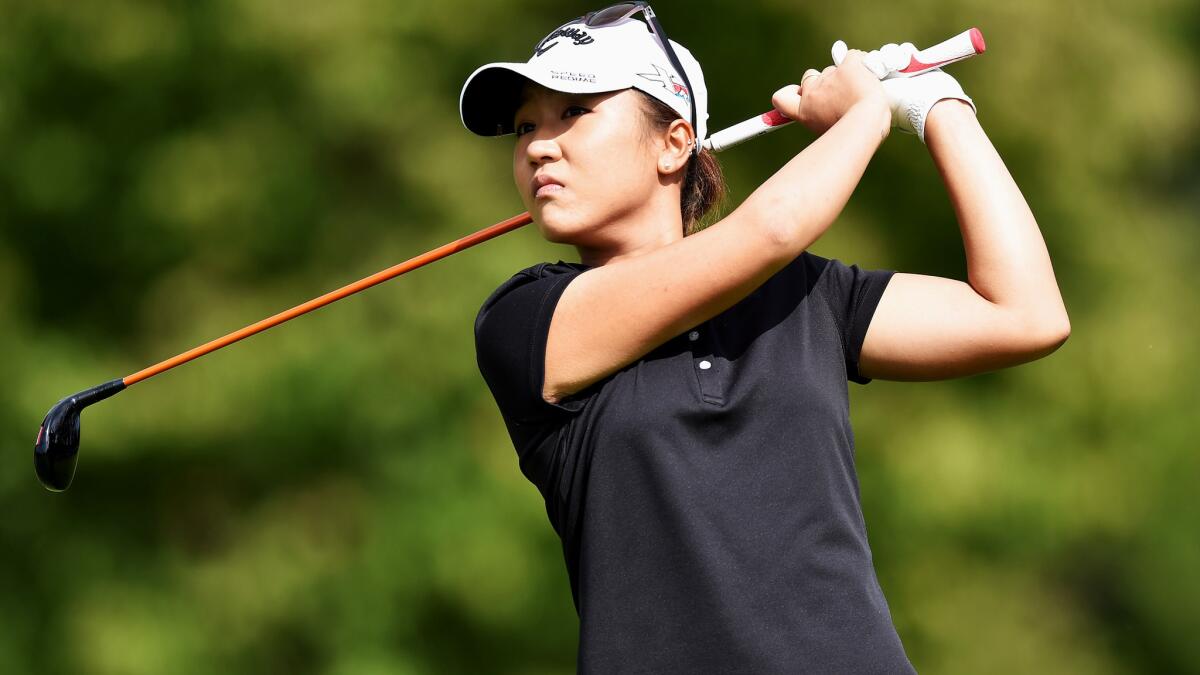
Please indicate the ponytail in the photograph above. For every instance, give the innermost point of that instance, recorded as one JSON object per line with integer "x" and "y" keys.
{"x": 703, "y": 183}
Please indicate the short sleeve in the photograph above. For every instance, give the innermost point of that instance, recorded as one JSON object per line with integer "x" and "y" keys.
{"x": 852, "y": 295}
{"x": 510, "y": 342}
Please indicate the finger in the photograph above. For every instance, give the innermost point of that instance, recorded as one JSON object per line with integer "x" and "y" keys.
{"x": 839, "y": 52}
{"x": 853, "y": 55}
{"x": 786, "y": 99}
{"x": 828, "y": 70}
{"x": 808, "y": 75}
{"x": 874, "y": 63}
{"x": 895, "y": 57}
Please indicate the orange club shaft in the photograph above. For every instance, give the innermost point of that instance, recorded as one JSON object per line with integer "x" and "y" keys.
{"x": 333, "y": 296}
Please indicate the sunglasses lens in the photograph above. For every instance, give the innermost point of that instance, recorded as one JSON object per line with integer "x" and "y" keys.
{"x": 609, "y": 15}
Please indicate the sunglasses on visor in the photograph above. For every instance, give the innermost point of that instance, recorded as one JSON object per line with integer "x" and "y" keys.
{"x": 621, "y": 11}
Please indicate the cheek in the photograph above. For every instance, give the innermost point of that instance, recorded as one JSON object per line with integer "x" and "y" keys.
{"x": 617, "y": 167}
{"x": 522, "y": 173}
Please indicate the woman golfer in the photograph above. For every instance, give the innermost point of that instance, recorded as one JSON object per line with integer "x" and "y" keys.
{"x": 679, "y": 396}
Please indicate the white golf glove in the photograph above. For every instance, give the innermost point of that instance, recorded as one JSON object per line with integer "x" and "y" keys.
{"x": 911, "y": 96}
{"x": 886, "y": 60}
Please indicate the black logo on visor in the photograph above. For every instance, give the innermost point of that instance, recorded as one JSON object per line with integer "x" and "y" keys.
{"x": 579, "y": 37}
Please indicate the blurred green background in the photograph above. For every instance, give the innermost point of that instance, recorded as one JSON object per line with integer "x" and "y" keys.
{"x": 339, "y": 495}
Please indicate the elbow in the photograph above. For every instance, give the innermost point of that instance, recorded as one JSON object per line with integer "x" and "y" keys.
{"x": 551, "y": 395}
{"x": 1057, "y": 335}
{"x": 553, "y": 398}
{"x": 1046, "y": 334}
{"x": 554, "y": 392}
{"x": 1063, "y": 330}
{"x": 1057, "y": 328}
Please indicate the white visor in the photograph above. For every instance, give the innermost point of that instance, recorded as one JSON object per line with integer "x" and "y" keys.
{"x": 579, "y": 59}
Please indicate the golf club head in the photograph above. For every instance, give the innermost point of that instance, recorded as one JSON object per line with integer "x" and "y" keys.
{"x": 56, "y": 450}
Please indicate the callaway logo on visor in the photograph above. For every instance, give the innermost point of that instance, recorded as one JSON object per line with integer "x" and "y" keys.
{"x": 579, "y": 37}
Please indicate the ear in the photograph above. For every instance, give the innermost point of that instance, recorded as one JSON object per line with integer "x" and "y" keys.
{"x": 676, "y": 148}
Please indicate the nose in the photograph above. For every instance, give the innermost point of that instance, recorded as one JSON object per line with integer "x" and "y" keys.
{"x": 542, "y": 150}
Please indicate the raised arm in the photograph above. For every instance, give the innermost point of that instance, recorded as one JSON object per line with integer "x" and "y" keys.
{"x": 1009, "y": 311}
{"x": 611, "y": 315}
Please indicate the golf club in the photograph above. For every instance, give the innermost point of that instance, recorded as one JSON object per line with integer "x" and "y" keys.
{"x": 964, "y": 45}
{"x": 56, "y": 449}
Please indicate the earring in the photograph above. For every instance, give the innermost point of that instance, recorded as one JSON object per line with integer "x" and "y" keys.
{"x": 667, "y": 166}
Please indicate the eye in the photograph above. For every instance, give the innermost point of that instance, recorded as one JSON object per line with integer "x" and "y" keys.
{"x": 572, "y": 110}
{"x": 523, "y": 128}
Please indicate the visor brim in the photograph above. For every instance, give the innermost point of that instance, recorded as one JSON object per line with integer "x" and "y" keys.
{"x": 492, "y": 94}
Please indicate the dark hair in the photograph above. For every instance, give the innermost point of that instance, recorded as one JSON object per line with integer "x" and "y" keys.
{"x": 703, "y": 182}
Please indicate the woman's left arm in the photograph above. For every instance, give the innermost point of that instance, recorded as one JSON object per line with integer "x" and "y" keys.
{"x": 1008, "y": 312}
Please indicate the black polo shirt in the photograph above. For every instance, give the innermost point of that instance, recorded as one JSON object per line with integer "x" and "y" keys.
{"x": 706, "y": 495}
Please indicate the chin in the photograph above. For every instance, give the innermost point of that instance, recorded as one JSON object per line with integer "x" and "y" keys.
{"x": 561, "y": 226}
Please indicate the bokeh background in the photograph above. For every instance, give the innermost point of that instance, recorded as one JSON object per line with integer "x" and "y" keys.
{"x": 339, "y": 495}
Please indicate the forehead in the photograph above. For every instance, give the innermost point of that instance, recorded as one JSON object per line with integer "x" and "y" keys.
{"x": 531, "y": 91}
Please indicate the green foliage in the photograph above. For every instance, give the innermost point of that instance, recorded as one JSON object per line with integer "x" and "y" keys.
{"x": 340, "y": 496}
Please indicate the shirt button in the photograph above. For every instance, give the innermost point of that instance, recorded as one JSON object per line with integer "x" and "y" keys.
{"x": 705, "y": 365}
{"x": 694, "y": 335}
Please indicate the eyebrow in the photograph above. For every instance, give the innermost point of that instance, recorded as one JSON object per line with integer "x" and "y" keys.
{"x": 529, "y": 88}
{"x": 524, "y": 94}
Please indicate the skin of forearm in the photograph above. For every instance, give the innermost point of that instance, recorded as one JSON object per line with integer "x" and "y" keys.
{"x": 803, "y": 198}
{"x": 1007, "y": 260}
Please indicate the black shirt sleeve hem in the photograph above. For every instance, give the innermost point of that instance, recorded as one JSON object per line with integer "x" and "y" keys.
{"x": 864, "y": 309}
{"x": 537, "y": 346}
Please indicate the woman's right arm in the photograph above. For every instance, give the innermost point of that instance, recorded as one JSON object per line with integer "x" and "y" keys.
{"x": 614, "y": 314}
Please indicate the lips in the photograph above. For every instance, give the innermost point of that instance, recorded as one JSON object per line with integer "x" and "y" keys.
{"x": 543, "y": 186}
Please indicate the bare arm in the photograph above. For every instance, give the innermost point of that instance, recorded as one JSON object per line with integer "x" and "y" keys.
{"x": 612, "y": 315}
{"x": 1009, "y": 311}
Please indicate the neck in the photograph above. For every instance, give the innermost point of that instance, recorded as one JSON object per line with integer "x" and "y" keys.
{"x": 652, "y": 226}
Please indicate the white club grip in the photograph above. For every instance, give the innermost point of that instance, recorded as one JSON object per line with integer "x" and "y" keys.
{"x": 744, "y": 131}
{"x": 966, "y": 44}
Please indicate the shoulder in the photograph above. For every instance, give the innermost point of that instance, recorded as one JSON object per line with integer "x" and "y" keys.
{"x": 510, "y": 338}
{"x": 542, "y": 274}
{"x": 817, "y": 268}
{"x": 834, "y": 279}
{"x": 807, "y": 275}
{"x": 522, "y": 306}
{"x": 850, "y": 295}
